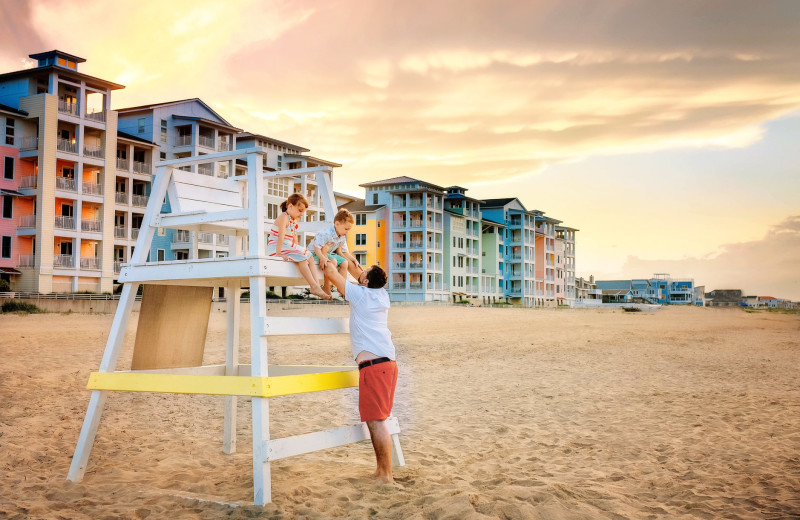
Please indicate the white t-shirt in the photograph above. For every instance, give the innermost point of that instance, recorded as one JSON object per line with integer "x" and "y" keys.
{"x": 369, "y": 313}
{"x": 328, "y": 236}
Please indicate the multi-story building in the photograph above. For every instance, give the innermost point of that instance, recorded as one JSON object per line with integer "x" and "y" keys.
{"x": 567, "y": 236}
{"x": 587, "y": 289}
{"x": 367, "y": 239}
{"x": 661, "y": 289}
{"x": 414, "y": 236}
{"x": 61, "y": 123}
{"x": 492, "y": 249}
{"x": 462, "y": 243}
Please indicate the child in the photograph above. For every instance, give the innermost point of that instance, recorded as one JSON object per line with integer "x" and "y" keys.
{"x": 330, "y": 245}
{"x": 284, "y": 232}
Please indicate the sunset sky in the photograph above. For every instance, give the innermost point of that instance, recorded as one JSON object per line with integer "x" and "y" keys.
{"x": 667, "y": 132}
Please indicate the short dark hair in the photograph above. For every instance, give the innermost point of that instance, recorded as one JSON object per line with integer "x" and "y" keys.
{"x": 376, "y": 277}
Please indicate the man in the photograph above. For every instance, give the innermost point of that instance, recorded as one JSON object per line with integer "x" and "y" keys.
{"x": 374, "y": 352}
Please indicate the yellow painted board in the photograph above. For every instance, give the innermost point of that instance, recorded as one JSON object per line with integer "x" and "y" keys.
{"x": 223, "y": 385}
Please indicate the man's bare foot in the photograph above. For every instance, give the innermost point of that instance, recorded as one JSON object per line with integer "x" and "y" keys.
{"x": 316, "y": 291}
{"x": 383, "y": 479}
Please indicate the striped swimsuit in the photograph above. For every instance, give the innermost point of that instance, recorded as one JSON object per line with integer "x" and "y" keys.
{"x": 291, "y": 247}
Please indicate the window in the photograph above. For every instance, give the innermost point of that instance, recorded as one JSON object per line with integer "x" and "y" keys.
{"x": 181, "y": 255}
{"x": 160, "y": 255}
{"x": 7, "y": 208}
{"x": 361, "y": 239}
{"x": 280, "y": 162}
{"x": 9, "y": 131}
{"x": 361, "y": 219}
{"x": 379, "y": 223}
{"x": 8, "y": 172}
{"x": 278, "y": 187}
{"x": 162, "y": 232}
{"x": 455, "y": 241}
{"x": 141, "y": 125}
{"x": 454, "y": 262}
{"x": 272, "y": 211}
{"x": 163, "y": 130}
{"x": 378, "y": 244}
{"x": 361, "y": 258}
{"x": 374, "y": 198}
{"x": 163, "y": 156}
{"x": 5, "y": 251}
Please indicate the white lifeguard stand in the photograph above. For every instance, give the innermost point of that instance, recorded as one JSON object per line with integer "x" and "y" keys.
{"x": 161, "y": 363}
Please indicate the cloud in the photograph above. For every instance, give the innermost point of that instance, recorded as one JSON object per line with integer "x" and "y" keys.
{"x": 766, "y": 267}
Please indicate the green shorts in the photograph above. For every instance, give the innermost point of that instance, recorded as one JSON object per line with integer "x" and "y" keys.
{"x": 331, "y": 256}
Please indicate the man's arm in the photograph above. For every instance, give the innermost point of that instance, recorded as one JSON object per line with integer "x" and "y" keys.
{"x": 334, "y": 276}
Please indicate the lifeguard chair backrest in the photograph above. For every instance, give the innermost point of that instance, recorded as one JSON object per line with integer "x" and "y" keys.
{"x": 192, "y": 192}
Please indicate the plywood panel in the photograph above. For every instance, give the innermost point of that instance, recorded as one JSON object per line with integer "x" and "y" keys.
{"x": 173, "y": 323}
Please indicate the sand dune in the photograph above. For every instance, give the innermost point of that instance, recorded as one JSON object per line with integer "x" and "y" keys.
{"x": 507, "y": 413}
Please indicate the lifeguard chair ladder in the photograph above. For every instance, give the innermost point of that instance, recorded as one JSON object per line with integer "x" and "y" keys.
{"x": 235, "y": 207}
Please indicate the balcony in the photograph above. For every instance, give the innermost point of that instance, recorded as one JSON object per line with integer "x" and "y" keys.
{"x": 224, "y": 146}
{"x": 65, "y": 223}
{"x": 90, "y": 263}
{"x": 416, "y": 244}
{"x": 399, "y": 245}
{"x": 117, "y": 266}
{"x": 29, "y": 143}
{"x": 142, "y": 167}
{"x": 399, "y": 265}
{"x": 65, "y": 145}
{"x": 183, "y": 140}
{"x": 222, "y": 240}
{"x": 93, "y": 226}
{"x": 100, "y": 116}
{"x": 26, "y": 261}
{"x": 205, "y": 238}
{"x": 121, "y": 197}
{"x": 415, "y": 203}
{"x": 398, "y": 224}
{"x": 399, "y": 285}
{"x": 135, "y": 233}
{"x": 93, "y": 151}
{"x": 90, "y": 188}
{"x": 66, "y": 107}
{"x": 29, "y": 182}
{"x": 140, "y": 200}
{"x": 415, "y": 265}
{"x": 205, "y": 169}
{"x": 206, "y": 141}
{"x": 415, "y": 285}
{"x": 63, "y": 261}
{"x": 27, "y": 221}
{"x": 123, "y": 164}
{"x": 416, "y": 223}
{"x": 65, "y": 184}
{"x": 180, "y": 236}
{"x": 119, "y": 231}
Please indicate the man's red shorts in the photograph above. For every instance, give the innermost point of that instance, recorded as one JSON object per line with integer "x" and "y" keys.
{"x": 376, "y": 385}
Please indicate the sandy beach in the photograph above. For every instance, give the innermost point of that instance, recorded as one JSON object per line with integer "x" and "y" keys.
{"x": 506, "y": 413}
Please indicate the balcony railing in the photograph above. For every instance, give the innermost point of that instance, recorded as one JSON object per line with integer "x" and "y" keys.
{"x": 121, "y": 197}
{"x": 65, "y": 222}
{"x": 29, "y": 181}
{"x": 65, "y": 145}
{"x": 224, "y": 146}
{"x": 65, "y": 183}
{"x": 415, "y": 265}
{"x": 63, "y": 261}
{"x": 415, "y": 285}
{"x": 398, "y": 224}
{"x": 119, "y": 231}
{"x": 135, "y": 233}
{"x": 222, "y": 240}
{"x": 205, "y": 169}
{"x": 399, "y": 285}
{"x": 180, "y": 236}
{"x": 27, "y": 221}
{"x": 67, "y": 107}
{"x": 415, "y": 203}
{"x": 416, "y": 244}
{"x": 399, "y": 265}
{"x": 183, "y": 140}
{"x": 97, "y": 116}
{"x": 93, "y": 151}
{"x": 26, "y": 261}
{"x": 206, "y": 141}
{"x": 94, "y": 226}
{"x": 122, "y": 164}
{"x": 205, "y": 238}
{"x": 90, "y": 188}
{"x": 399, "y": 245}
{"x": 142, "y": 167}
{"x": 29, "y": 143}
{"x": 416, "y": 223}
{"x": 117, "y": 266}
{"x": 140, "y": 200}
{"x": 90, "y": 263}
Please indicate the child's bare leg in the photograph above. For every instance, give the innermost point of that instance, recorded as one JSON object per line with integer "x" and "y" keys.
{"x": 343, "y": 268}
{"x": 354, "y": 270}
{"x": 310, "y": 276}
{"x": 326, "y": 285}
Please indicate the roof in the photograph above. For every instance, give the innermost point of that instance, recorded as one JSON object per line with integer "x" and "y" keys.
{"x": 247, "y": 135}
{"x": 9, "y": 270}
{"x": 315, "y": 159}
{"x": 130, "y": 137}
{"x": 496, "y": 223}
{"x": 493, "y": 203}
{"x": 57, "y": 52}
{"x": 360, "y": 206}
{"x": 6, "y": 108}
{"x": 11, "y": 192}
{"x": 567, "y": 228}
{"x": 401, "y": 180}
{"x": 546, "y": 219}
{"x": 207, "y": 121}
{"x": 156, "y": 105}
{"x": 61, "y": 70}
{"x": 616, "y": 292}
{"x": 453, "y": 212}
{"x": 614, "y": 284}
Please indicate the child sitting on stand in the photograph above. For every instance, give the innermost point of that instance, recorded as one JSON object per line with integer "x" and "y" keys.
{"x": 283, "y": 242}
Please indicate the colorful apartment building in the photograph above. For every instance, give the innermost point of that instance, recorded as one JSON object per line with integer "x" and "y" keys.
{"x": 660, "y": 289}
{"x": 60, "y": 123}
{"x": 462, "y": 244}
{"x": 367, "y": 239}
{"x": 492, "y": 248}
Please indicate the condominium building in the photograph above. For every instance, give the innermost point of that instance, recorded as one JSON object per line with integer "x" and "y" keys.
{"x": 492, "y": 249}
{"x": 63, "y": 134}
{"x": 565, "y": 236}
{"x": 660, "y": 289}
{"x": 414, "y": 236}
{"x": 462, "y": 243}
{"x": 367, "y": 239}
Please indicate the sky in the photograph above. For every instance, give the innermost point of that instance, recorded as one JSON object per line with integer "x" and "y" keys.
{"x": 666, "y": 132}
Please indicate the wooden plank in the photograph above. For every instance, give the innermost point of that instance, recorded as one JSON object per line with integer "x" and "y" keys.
{"x": 252, "y": 386}
{"x": 285, "y": 325}
{"x": 242, "y": 370}
{"x": 213, "y": 157}
{"x": 201, "y": 217}
{"x": 174, "y": 323}
{"x": 299, "y": 444}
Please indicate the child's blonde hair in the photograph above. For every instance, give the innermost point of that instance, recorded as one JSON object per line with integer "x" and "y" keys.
{"x": 294, "y": 199}
{"x": 344, "y": 215}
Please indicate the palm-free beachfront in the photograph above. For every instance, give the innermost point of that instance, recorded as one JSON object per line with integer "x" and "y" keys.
{"x": 506, "y": 413}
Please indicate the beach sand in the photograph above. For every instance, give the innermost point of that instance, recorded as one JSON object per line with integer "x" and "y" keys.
{"x": 506, "y": 413}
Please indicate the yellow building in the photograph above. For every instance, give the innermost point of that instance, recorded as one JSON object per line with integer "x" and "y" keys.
{"x": 367, "y": 240}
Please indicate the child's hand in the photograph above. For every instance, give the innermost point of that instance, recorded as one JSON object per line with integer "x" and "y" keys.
{"x": 285, "y": 257}
{"x": 322, "y": 263}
